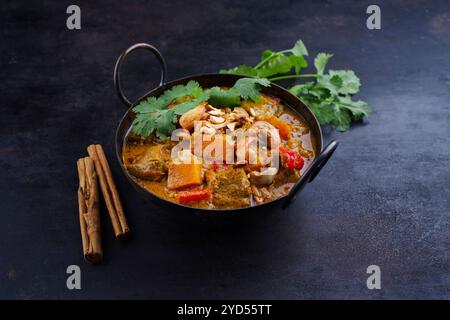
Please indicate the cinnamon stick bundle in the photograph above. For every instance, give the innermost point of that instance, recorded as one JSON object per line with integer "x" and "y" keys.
{"x": 88, "y": 211}
{"x": 109, "y": 191}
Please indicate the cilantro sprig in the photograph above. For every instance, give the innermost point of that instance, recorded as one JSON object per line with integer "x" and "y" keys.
{"x": 245, "y": 88}
{"x": 273, "y": 63}
{"x": 153, "y": 115}
{"x": 329, "y": 94}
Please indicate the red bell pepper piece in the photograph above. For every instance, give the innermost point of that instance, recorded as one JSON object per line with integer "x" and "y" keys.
{"x": 194, "y": 195}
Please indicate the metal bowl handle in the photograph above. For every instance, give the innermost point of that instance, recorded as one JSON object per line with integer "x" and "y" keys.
{"x": 312, "y": 172}
{"x": 118, "y": 68}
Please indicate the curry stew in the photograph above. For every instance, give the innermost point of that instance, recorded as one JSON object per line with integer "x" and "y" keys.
{"x": 202, "y": 181}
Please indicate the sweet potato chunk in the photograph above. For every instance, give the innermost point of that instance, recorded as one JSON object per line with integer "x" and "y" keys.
{"x": 283, "y": 128}
{"x": 183, "y": 175}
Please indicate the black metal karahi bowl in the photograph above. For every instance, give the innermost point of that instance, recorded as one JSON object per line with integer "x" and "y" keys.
{"x": 222, "y": 80}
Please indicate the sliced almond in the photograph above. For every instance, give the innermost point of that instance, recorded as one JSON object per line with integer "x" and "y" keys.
{"x": 218, "y": 126}
{"x": 252, "y": 112}
{"x": 241, "y": 111}
{"x": 216, "y": 120}
{"x": 215, "y": 112}
{"x": 207, "y": 130}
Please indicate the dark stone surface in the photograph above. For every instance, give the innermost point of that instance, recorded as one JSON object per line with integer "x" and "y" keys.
{"x": 383, "y": 199}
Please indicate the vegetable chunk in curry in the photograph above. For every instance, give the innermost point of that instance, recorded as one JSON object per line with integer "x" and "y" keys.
{"x": 211, "y": 161}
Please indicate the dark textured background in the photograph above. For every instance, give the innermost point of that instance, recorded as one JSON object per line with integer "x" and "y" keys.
{"x": 383, "y": 199}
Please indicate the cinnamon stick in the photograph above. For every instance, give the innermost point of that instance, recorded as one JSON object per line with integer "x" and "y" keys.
{"x": 88, "y": 210}
{"x": 109, "y": 191}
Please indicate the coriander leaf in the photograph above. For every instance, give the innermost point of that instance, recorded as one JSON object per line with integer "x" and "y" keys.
{"x": 324, "y": 111}
{"x": 341, "y": 120}
{"x": 241, "y": 70}
{"x": 359, "y": 109}
{"x": 249, "y": 87}
{"x": 328, "y": 105}
{"x": 255, "y": 81}
{"x": 278, "y": 64}
{"x": 184, "y": 107}
{"x": 197, "y": 93}
{"x": 321, "y": 61}
{"x": 311, "y": 88}
{"x": 349, "y": 81}
{"x": 223, "y": 98}
{"x": 164, "y": 123}
{"x": 191, "y": 87}
{"x": 143, "y": 125}
{"x": 244, "y": 88}
{"x": 299, "y": 49}
{"x": 298, "y": 62}
{"x": 151, "y": 104}
{"x": 266, "y": 54}
{"x": 161, "y": 122}
{"x": 320, "y": 93}
{"x": 180, "y": 91}
{"x": 336, "y": 81}
{"x": 333, "y": 84}
{"x": 302, "y": 89}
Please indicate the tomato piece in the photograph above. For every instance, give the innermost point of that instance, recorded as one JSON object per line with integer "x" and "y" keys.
{"x": 290, "y": 159}
{"x": 194, "y": 195}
